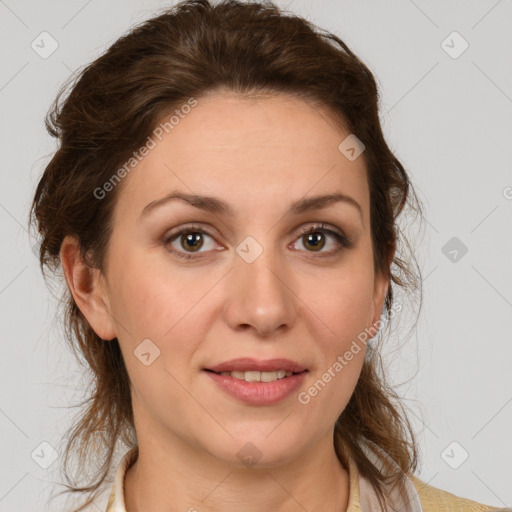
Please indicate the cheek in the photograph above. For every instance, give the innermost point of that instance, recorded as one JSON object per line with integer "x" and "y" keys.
{"x": 340, "y": 316}
{"x": 329, "y": 390}
{"x": 341, "y": 352}
{"x": 344, "y": 303}
{"x": 166, "y": 305}
{"x": 151, "y": 297}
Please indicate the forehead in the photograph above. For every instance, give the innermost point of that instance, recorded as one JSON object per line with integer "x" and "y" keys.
{"x": 252, "y": 151}
{"x": 244, "y": 124}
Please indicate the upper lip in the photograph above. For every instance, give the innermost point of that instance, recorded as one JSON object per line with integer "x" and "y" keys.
{"x": 246, "y": 364}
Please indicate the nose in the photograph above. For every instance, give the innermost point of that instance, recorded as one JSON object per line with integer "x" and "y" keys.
{"x": 261, "y": 297}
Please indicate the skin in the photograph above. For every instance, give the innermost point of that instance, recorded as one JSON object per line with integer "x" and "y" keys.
{"x": 290, "y": 302}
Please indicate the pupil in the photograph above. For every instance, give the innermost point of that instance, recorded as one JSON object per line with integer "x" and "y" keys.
{"x": 312, "y": 236}
{"x": 191, "y": 239}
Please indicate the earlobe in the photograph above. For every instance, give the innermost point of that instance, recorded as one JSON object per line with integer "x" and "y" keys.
{"x": 381, "y": 290}
{"x": 87, "y": 286}
{"x": 382, "y": 285}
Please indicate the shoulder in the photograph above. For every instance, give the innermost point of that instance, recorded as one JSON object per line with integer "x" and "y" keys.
{"x": 436, "y": 500}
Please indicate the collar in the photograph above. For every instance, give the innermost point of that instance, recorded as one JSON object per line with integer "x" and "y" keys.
{"x": 362, "y": 496}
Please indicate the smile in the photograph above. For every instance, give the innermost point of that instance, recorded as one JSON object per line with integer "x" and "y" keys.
{"x": 256, "y": 376}
{"x": 258, "y": 388}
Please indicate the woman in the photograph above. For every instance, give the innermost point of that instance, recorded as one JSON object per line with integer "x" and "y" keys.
{"x": 223, "y": 205}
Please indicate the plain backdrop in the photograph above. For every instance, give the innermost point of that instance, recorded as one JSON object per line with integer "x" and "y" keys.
{"x": 443, "y": 69}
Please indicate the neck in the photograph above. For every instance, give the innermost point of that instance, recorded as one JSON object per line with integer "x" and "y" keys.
{"x": 180, "y": 478}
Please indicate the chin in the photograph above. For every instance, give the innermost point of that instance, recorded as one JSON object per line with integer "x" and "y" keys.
{"x": 256, "y": 451}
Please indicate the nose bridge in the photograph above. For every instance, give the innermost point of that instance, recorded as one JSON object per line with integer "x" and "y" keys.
{"x": 261, "y": 296}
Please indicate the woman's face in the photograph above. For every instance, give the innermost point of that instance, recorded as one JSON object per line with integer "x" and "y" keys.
{"x": 253, "y": 285}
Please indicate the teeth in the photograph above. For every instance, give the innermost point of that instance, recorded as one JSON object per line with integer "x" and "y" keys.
{"x": 258, "y": 376}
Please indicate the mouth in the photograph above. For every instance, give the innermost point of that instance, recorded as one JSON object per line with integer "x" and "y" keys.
{"x": 253, "y": 370}
{"x": 257, "y": 376}
{"x": 259, "y": 383}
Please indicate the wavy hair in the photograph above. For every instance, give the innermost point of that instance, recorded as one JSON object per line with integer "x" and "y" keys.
{"x": 106, "y": 112}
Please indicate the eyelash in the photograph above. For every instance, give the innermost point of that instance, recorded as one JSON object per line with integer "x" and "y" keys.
{"x": 340, "y": 238}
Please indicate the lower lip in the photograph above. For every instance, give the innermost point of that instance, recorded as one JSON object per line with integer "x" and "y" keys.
{"x": 258, "y": 393}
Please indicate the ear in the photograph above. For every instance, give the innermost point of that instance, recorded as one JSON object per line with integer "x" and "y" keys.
{"x": 382, "y": 284}
{"x": 88, "y": 287}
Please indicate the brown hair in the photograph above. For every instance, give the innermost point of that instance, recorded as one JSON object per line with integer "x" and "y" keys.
{"x": 113, "y": 105}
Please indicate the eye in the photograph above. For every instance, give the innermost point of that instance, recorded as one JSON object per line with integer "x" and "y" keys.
{"x": 188, "y": 241}
{"x": 316, "y": 238}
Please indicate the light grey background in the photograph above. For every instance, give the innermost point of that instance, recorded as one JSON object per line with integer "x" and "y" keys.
{"x": 448, "y": 120}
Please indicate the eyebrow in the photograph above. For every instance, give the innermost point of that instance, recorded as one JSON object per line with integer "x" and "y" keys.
{"x": 214, "y": 205}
